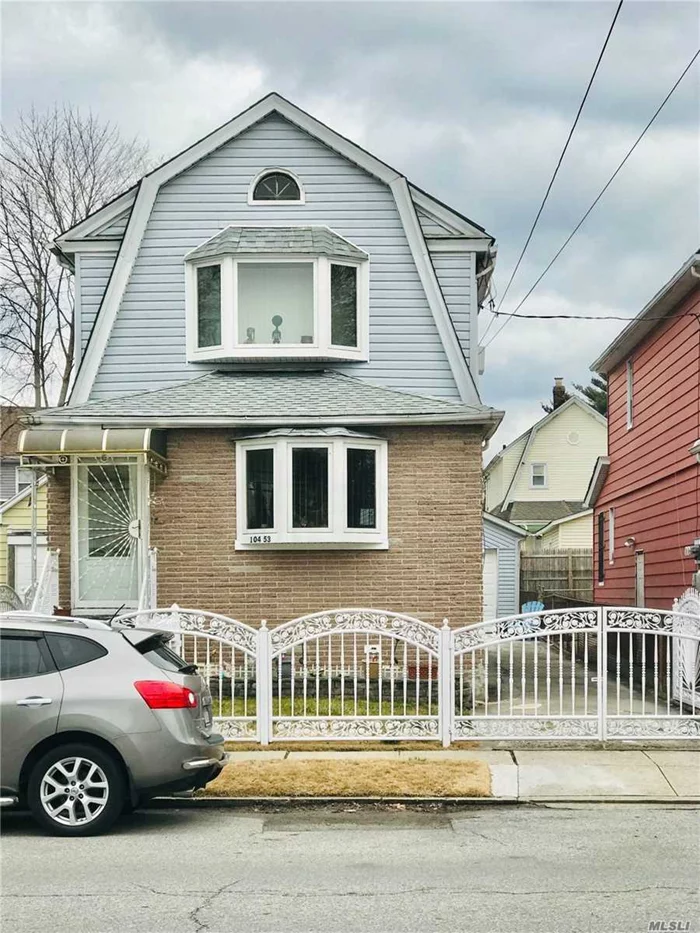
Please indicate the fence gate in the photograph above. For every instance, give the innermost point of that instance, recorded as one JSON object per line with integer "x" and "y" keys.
{"x": 536, "y": 675}
{"x": 356, "y": 674}
{"x": 226, "y": 653}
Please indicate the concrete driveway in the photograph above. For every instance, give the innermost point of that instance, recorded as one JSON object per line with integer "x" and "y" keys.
{"x": 493, "y": 868}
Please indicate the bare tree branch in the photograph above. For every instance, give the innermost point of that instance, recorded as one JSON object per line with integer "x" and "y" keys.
{"x": 56, "y": 168}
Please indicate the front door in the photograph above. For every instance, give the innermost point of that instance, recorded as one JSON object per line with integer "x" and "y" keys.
{"x": 107, "y": 539}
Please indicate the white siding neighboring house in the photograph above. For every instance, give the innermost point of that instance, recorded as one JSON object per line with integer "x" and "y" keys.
{"x": 541, "y": 477}
{"x": 570, "y": 533}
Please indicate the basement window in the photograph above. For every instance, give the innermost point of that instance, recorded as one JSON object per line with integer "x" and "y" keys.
{"x": 311, "y": 490}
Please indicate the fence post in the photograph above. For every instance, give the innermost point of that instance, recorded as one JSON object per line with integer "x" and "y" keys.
{"x": 446, "y": 684}
{"x": 263, "y": 684}
{"x": 602, "y": 672}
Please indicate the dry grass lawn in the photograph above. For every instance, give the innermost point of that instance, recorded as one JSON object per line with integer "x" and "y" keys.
{"x": 388, "y": 745}
{"x": 371, "y": 778}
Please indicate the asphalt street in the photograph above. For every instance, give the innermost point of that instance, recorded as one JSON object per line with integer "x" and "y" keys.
{"x": 606, "y": 868}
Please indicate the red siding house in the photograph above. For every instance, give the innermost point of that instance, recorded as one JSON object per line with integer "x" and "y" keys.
{"x": 646, "y": 492}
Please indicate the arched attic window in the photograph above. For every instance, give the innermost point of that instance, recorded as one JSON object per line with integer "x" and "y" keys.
{"x": 276, "y": 186}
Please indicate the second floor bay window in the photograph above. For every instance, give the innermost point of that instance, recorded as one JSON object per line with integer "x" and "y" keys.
{"x": 311, "y": 489}
{"x": 277, "y": 293}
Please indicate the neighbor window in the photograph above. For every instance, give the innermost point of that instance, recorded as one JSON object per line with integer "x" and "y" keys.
{"x": 312, "y": 491}
{"x": 23, "y": 477}
{"x": 611, "y": 535}
{"x": 630, "y": 394}
{"x": 538, "y": 475}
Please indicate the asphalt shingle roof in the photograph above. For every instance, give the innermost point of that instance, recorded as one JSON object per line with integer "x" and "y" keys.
{"x": 272, "y": 398}
{"x": 540, "y": 511}
{"x": 316, "y": 241}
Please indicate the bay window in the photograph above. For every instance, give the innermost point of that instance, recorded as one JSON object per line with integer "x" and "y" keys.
{"x": 310, "y": 300}
{"x": 311, "y": 491}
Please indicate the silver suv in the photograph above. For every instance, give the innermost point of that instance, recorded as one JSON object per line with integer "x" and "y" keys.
{"x": 96, "y": 719}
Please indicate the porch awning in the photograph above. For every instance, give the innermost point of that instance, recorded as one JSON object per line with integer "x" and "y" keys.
{"x": 58, "y": 446}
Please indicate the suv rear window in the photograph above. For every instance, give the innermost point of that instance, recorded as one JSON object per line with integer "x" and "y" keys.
{"x": 72, "y": 650}
{"x": 156, "y": 651}
{"x": 23, "y": 655}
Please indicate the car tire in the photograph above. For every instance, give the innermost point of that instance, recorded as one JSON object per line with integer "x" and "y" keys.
{"x": 76, "y": 790}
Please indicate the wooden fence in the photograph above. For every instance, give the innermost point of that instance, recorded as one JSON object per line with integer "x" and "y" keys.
{"x": 559, "y": 574}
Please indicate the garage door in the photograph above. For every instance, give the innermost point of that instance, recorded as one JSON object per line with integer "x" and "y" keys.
{"x": 490, "y": 583}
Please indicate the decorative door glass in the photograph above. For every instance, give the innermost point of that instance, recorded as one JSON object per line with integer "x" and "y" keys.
{"x": 108, "y": 532}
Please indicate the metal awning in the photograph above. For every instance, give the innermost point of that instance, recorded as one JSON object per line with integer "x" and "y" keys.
{"x": 41, "y": 446}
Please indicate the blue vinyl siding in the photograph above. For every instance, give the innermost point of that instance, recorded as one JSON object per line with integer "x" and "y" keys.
{"x": 454, "y": 273}
{"x": 146, "y": 349}
{"x": 507, "y": 545}
{"x": 95, "y": 270}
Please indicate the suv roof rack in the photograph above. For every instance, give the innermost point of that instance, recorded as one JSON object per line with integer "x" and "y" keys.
{"x": 25, "y": 615}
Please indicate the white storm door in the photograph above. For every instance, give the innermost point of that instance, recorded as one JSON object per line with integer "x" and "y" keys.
{"x": 107, "y": 546}
{"x": 490, "y": 583}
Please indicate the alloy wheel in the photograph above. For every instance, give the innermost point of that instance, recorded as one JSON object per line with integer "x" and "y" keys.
{"x": 74, "y": 791}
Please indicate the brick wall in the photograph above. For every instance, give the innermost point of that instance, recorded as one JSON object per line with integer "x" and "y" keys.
{"x": 432, "y": 568}
{"x": 58, "y": 528}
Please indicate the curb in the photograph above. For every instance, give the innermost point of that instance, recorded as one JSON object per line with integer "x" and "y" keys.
{"x": 239, "y": 803}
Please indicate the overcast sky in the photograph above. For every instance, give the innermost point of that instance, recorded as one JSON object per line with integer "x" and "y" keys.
{"x": 472, "y": 101}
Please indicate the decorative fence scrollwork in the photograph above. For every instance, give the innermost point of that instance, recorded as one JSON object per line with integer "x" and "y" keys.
{"x": 584, "y": 674}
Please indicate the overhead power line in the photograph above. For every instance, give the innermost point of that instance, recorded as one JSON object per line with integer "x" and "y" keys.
{"x": 561, "y": 159}
{"x": 510, "y": 314}
{"x": 591, "y": 317}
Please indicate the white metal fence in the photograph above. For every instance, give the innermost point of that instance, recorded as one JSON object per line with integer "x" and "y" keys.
{"x": 591, "y": 673}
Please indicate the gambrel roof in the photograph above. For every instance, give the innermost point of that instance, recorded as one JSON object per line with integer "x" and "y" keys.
{"x": 139, "y": 202}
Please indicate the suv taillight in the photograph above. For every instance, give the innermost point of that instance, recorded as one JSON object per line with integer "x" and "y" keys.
{"x": 162, "y": 694}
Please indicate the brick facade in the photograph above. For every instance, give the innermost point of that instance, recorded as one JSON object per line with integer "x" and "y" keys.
{"x": 432, "y": 569}
{"x": 58, "y": 528}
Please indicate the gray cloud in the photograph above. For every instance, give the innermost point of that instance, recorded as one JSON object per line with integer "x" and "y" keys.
{"x": 471, "y": 100}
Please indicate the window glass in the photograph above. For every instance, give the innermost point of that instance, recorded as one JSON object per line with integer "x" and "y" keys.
{"x": 343, "y": 306}
{"x": 275, "y": 303}
{"x": 276, "y": 186}
{"x": 208, "y": 306}
{"x": 71, "y": 650}
{"x": 539, "y": 474}
{"x": 109, "y": 510}
{"x": 156, "y": 651}
{"x": 21, "y": 656}
{"x": 260, "y": 502}
{"x": 24, "y": 478}
{"x": 310, "y": 487}
{"x": 601, "y": 547}
{"x": 362, "y": 488}
{"x": 630, "y": 394}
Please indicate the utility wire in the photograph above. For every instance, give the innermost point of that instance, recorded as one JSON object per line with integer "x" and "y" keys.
{"x": 566, "y": 242}
{"x": 561, "y": 159}
{"x": 591, "y": 317}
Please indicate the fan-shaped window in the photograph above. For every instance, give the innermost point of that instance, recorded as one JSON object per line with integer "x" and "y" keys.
{"x": 276, "y": 186}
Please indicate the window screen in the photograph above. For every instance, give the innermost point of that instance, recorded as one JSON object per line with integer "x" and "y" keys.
{"x": 601, "y": 547}
{"x": 343, "y": 306}
{"x": 208, "y": 306}
{"x": 310, "y": 487}
{"x": 362, "y": 488}
{"x": 71, "y": 650}
{"x": 22, "y": 656}
{"x": 260, "y": 497}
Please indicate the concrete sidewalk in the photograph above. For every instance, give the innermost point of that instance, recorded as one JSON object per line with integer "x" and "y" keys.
{"x": 541, "y": 774}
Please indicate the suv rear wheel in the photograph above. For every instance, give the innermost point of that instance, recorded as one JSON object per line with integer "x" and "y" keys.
{"x": 76, "y": 790}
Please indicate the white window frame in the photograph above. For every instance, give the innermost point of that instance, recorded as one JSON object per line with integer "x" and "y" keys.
{"x": 611, "y": 535}
{"x": 272, "y": 203}
{"x": 629, "y": 401}
{"x": 338, "y": 535}
{"x": 534, "y": 485}
{"x": 321, "y": 348}
{"x": 18, "y": 470}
